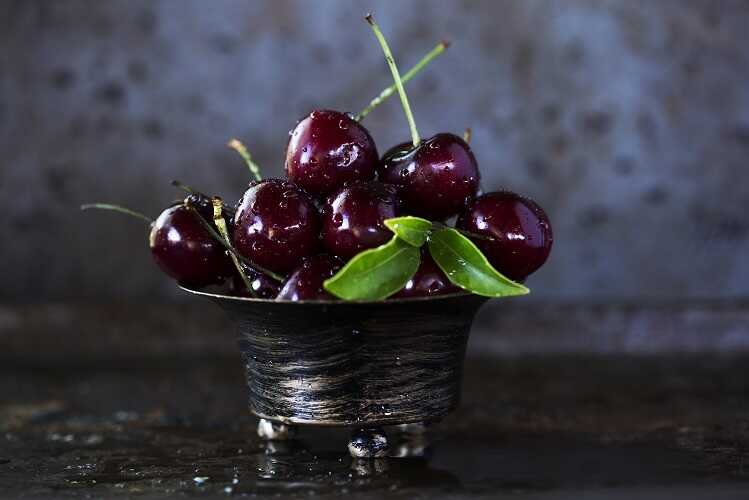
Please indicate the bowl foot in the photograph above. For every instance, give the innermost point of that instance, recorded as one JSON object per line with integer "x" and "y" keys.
{"x": 369, "y": 467}
{"x": 274, "y": 431}
{"x": 371, "y": 442}
{"x": 411, "y": 441}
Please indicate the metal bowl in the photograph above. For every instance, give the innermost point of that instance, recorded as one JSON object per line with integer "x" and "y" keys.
{"x": 354, "y": 364}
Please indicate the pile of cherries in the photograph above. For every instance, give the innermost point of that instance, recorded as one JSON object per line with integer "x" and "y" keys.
{"x": 290, "y": 235}
{"x": 332, "y": 206}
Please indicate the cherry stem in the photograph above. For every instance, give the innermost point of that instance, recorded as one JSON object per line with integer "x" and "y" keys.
{"x": 117, "y": 208}
{"x": 467, "y": 135}
{"x": 396, "y": 76}
{"x": 183, "y": 187}
{"x": 386, "y": 93}
{"x": 218, "y": 219}
{"x": 207, "y": 226}
{"x": 240, "y": 148}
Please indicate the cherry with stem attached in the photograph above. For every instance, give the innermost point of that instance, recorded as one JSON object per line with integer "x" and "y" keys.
{"x": 181, "y": 246}
{"x": 327, "y": 148}
{"x": 438, "y": 176}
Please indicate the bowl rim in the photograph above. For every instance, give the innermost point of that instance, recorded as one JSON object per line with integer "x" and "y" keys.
{"x": 407, "y": 300}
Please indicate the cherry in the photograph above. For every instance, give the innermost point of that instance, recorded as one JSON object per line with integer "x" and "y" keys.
{"x": 262, "y": 285}
{"x": 327, "y": 149}
{"x": 306, "y": 281}
{"x": 276, "y": 225}
{"x": 429, "y": 280}
{"x": 353, "y": 218}
{"x": 519, "y": 231}
{"x": 436, "y": 178}
{"x": 183, "y": 249}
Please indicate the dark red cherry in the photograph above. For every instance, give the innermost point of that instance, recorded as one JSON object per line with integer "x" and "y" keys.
{"x": 429, "y": 280}
{"x": 184, "y": 250}
{"x": 520, "y": 232}
{"x": 276, "y": 225}
{"x": 353, "y": 218}
{"x": 327, "y": 149}
{"x": 437, "y": 178}
{"x": 306, "y": 281}
{"x": 263, "y": 286}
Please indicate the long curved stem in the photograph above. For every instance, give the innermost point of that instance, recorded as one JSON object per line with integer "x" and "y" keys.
{"x": 386, "y": 93}
{"x": 398, "y": 82}
{"x": 240, "y": 148}
{"x": 117, "y": 208}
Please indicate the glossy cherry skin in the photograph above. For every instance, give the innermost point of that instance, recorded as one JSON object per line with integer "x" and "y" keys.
{"x": 437, "y": 178}
{"x": 520, "y": 232}
{"x": 263, "y": 286}
{"x": 276, "y": 225}
{"x": 327, "y": 149}
{"x": 428, "y": 281}
{"x": 184, "y": 250}
{"x": 306, "y": 281}
{"x": 353, "y": 218}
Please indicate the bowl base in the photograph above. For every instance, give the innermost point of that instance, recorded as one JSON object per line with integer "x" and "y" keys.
{"x": 370, "y": 442}
{"x": 366, "y": 442}
{"x": 275, "y": 431}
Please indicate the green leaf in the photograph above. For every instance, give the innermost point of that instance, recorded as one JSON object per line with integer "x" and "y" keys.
{"x": 377, "y": 273}
{"x": 467, "y": 267}
{"x": 412, "y": 230}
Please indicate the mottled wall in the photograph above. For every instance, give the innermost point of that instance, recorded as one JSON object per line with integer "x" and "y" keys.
{"x": 627, "y": 120}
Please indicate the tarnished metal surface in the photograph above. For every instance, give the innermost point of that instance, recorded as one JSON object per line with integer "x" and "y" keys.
{"x": 354, "y": 364}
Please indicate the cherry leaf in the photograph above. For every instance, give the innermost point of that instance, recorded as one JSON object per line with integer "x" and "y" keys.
{"x": 468, "y": 268}
{"x": 377, "y": 273}
{"x": 412, "y": 230}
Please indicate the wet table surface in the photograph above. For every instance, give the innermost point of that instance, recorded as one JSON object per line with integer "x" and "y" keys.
{"x": 529, "y": 427}
{"x": 148, "y": 401}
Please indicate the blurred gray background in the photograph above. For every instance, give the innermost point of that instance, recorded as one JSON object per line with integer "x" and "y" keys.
{"x": 628, "y": 121}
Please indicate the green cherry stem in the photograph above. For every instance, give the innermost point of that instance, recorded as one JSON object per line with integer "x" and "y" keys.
{"x": 117, "y": 208}
{"x": 207, "y": 226}
{"x": 240, "y": 148}
{"x": 183, "y": 187}
{"x": 214, "y": 234}
{"x": 386, "y": 93}
{"x": 218, "y": 219}
{"x": 396, "y": 76}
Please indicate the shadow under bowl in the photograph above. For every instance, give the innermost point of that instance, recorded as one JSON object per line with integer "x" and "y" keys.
{"x": 352, "y": 364}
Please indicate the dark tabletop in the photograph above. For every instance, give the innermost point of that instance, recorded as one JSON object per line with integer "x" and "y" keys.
{"x": 129, "y": 420}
